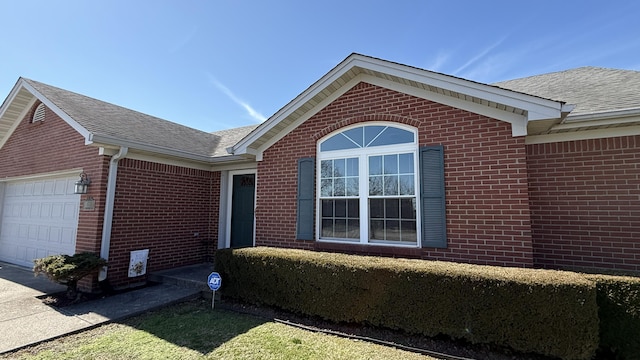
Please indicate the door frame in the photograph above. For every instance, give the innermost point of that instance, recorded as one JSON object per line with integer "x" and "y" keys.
{"x": 230, "y": 175}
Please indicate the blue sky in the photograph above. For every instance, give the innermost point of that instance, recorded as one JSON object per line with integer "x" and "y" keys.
{"x": 219, "y": 64}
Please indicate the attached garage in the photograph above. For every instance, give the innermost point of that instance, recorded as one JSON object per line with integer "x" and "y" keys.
{"x": 39, "y": 218}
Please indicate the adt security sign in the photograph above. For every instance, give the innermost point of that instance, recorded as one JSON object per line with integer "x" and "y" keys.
{"x": 214, "y": 282}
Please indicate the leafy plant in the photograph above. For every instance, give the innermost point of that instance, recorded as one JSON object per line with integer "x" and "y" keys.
{"x": 68, "y": 269}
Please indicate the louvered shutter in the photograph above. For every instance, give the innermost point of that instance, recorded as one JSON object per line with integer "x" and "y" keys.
{"x": 434, "y": 232}
{"x": 306, "y": 200}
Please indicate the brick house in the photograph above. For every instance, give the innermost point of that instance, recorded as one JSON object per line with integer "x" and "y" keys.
{"x": 374, "y": 158}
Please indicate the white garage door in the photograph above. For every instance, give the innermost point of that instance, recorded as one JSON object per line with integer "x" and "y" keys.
{"x": 39, "y": 218}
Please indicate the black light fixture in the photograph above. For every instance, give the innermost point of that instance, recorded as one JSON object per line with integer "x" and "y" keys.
{"x": 82, "y": 184}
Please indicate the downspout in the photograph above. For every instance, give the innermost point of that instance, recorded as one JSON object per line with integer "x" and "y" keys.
{"x": 108, "y": 208}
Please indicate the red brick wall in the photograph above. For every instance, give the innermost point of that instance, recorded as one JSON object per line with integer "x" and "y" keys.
{"x": 52, "y": 145}
{"x": 161, "y": 208}
{"x": 488, "y": 219}
{"x": 585, "y": 203}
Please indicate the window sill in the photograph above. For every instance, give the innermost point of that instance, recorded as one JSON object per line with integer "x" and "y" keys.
{"x": 371, "y": 250}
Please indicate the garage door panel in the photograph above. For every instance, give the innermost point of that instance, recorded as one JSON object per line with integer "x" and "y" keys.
{"x": 68, "y": 236}
{"x": 39, "y": 218}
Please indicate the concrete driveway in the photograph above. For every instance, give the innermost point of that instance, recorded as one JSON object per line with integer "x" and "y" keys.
{"x": 25, "y": 320}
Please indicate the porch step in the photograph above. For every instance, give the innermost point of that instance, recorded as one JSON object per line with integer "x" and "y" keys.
{"x": 192, "y": 277}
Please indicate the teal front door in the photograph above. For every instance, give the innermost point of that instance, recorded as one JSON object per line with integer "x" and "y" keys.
{"x": 242, "y": 210}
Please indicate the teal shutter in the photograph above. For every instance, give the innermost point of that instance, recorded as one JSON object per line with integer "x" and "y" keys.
{"x": 434, "y": 231}
{"x": 306, "y": 199}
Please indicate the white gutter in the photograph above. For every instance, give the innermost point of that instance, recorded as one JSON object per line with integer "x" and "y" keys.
{"x": 108, "y": 208}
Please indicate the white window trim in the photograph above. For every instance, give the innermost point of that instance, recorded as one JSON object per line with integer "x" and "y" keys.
{"x": 363, "y": 155}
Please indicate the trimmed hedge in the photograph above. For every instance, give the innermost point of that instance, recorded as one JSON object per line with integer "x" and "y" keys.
{"x": 619, "y": 303}
{"x": 548, "y": 312}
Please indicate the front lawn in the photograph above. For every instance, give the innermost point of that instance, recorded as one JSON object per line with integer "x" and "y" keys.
{"x": 193, "y": 331}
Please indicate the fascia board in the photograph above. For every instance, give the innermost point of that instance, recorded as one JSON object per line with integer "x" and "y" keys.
{"x": 539, "y": 108}
{"x": 292, "y": 106}
{"x": 63, "y": 115}
{"x": 321, "y": 105}
{"x": 15, "y": 124}
{"x": 603, "y": 115}
{"x": 108, "y": 142}
{"x": 583, "y": 135}
{"x": 100, "y": 140}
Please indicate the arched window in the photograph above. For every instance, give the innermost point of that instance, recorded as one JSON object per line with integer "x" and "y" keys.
{"x": 39, "y": 113}
{"x": 367, "y": 185}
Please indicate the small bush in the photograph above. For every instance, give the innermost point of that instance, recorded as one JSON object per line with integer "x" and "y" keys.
{"x": 68, "y": 270}
{"x": 549, "y": 312}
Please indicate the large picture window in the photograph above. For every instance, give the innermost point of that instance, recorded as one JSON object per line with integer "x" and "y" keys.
{"x": 368, "y": 185}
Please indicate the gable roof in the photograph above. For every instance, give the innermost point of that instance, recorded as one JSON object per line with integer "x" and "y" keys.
{"x": 503, "y": 104}
{"x": 106, "y": 124}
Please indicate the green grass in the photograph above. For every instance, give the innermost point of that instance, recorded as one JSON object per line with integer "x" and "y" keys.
{"x": 193, "y": 331}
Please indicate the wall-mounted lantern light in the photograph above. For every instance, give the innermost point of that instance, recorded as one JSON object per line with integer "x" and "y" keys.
{"x": 82, "y": 184}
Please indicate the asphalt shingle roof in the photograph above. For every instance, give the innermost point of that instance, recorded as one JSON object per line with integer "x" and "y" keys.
{"x": 106, "y": 119}
{"x": 591, "y": 89}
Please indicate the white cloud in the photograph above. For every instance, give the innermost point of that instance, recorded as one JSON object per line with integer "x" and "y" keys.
{"x": 258, "y": 117}
{"x": 479, "y": 56}
{"x": 438, "y": 62}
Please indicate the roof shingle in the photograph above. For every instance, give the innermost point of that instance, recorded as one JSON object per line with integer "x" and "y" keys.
{"x": 591, "y": 89}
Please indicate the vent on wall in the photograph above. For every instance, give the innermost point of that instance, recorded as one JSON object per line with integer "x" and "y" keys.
{"x": 38, "y": 115}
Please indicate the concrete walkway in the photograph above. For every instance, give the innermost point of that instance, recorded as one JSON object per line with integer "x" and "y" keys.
{"x": 25, "y": 320}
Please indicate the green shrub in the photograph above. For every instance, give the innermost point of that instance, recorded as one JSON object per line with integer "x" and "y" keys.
{"x": 68, "y": 270}
{"x": 549, "y": 312}
{"x": 619, "y": 310}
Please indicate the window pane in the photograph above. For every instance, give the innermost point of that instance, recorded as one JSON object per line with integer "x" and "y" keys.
{"x": 391, "y": 164}
{"x": 377, "y": 230}
{"x": 353, "y": 208}
{"x": 392, "y": 136}
{"x": 408, "y": 231}
{"x": 353, "y": 228}
{"x": 339, "y": 187}
{"x": 353, "y": 187}
{"x": 356, "y": 135}
{"x": 407, "y": 209}
{"x": 390, "y": 185}
{"x": 392, "y": 230}
{"x": 327, "y": 228}
{"x": 406, "y": 164}
{"x": 375, "y": 186}
{"x": 337, "y": 142}
{"x": 376, "y": 208}
{"x": 407, "y": 185}
{"x": 352, "y": 167}
{"x": 326, "y": 187}
{"x": 340, "y": 228}
{"x": 326, "y": 169}
{"x": 341, "y": 208}
{"x": 339, "y": 168}
{"x": 371, "y": 132}
{"x": 392, "y": 208}
{"x": 375, "y": 165}
{"x": 327, "y": 208}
